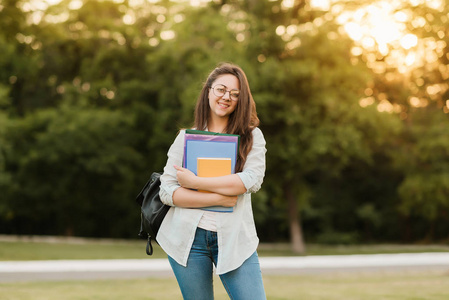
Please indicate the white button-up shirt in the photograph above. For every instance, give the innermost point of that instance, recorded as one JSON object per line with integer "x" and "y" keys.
{"x": 236, "y": 231}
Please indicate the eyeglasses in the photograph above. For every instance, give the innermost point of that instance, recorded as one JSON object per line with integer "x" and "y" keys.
{"x": 220, "y": 90}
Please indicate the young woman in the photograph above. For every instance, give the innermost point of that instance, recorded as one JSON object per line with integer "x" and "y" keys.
{"x": 195, "y": 239}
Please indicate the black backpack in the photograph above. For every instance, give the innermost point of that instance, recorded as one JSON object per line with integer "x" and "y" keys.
{"x": 152, "y": 210}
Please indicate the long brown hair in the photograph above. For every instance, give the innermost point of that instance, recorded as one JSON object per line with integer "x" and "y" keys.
{"x": 243, "y": 119}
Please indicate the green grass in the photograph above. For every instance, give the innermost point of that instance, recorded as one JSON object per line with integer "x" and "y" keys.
{"x": 336, "y": 286}
{"x": 100, "y": 249}
{"x": 89, "y": 250}
{"x": 284, "y": 249}
{"x": 352, "y": 286}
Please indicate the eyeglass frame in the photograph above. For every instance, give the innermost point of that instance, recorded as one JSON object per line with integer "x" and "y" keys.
{"x": 226, "y": 91}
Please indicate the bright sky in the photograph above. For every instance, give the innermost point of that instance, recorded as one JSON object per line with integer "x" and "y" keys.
{"x": 380, "y": 26}
{"x": 378, "y": 22}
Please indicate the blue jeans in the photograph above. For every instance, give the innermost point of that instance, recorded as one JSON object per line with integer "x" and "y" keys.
{"x": 195, "y": 280}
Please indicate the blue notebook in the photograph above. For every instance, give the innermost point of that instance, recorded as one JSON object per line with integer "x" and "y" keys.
{"x": 204, "y": 144}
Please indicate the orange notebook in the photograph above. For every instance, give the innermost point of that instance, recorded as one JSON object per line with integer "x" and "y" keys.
{"x": 214, "y": 167}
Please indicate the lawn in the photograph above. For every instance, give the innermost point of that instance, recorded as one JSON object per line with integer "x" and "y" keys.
{"x": 69, "y": 250}
{"x": 352, "y": 286}
{"x": 134, "y": 249}
{"x": 330, "y": 286}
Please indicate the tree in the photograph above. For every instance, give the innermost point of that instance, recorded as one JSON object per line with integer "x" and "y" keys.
{"x": 308, "y": 93}
{"x": 425, "y": 189}
{"x": 411, "y": 81}
{"x": 75, "y": 167}
{"x": 355, "y": 140}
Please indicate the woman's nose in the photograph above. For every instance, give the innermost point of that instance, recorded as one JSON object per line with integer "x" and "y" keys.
{"x": 228, "y": 93}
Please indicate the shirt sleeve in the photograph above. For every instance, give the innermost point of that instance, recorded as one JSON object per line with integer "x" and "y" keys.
{"x": 169, "y": 183}
{"x": 254, "y": 168}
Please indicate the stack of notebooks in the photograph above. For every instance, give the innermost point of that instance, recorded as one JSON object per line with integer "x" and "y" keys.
{"x": 210, "y": 154}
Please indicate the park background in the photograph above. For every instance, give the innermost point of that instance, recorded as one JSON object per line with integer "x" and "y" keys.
{"x": 352, "y": 96}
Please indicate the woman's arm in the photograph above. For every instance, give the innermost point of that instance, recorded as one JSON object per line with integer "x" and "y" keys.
{"x": 229, "y": 185}
{"x": 174, "y": 194}
{"x": 249, "y": 180}
{"x": 184, "y": 197}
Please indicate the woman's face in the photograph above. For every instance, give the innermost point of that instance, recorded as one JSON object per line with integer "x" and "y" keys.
{"x": 223, "y": 106}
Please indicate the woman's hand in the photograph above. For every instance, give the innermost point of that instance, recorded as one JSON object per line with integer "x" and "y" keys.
{"x": 229, "y": 185}
{"x": 227, "y": 201}
{"x": 186, "y": 178}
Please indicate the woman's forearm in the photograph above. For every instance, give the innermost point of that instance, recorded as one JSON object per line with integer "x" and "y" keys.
{"x": 229, "y": 185}
{"x": 183, "y": 197}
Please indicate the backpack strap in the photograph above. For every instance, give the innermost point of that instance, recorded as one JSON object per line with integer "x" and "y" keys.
{"x": 149, "y": 248}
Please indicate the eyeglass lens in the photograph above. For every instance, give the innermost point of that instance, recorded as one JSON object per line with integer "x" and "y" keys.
{"x": 220, "y": 90}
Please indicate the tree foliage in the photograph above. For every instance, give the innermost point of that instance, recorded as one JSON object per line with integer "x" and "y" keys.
{"x": 92, "y": 97}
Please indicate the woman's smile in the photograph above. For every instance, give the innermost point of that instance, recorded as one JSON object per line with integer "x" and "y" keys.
{"x": 223, "y": 105}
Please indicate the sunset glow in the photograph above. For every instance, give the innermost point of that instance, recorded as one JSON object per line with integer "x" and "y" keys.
{"x": 378, "y": 27}
{"x": 381, "y": 27}
{"x": 384, "y": 37}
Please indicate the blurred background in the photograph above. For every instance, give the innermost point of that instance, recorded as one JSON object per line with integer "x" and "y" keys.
{"x": 353, "y": 98}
